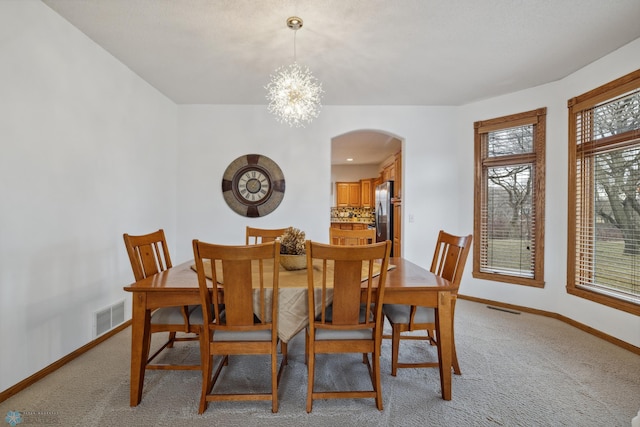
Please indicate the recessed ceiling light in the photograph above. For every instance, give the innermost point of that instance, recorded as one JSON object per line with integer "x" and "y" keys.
{"x": 349, "y": 159}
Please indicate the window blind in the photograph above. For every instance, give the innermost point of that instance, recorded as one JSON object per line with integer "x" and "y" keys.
{"x": 607, "y": 197}
{"x": 508, "y": 215}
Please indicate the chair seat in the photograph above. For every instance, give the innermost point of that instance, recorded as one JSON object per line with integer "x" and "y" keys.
{"x": 400, "y": 313}
{"x": 351, "y": 334}
{"x": 170, "y": 315}
{"x": 173, "y": 315}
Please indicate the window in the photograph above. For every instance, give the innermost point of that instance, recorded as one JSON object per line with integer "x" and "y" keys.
{"x": 603, "y": 262}
{"x": 509, "y": 198}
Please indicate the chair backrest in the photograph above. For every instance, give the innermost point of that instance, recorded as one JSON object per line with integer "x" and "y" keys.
{"x": 148, "y": 254}
{"x": 255, "y": 236}
{"x": 242, "y": 271}
{"x": 341, "y": 237}
{"x": 351, "y": 271}
{"x": 450, "y": 256}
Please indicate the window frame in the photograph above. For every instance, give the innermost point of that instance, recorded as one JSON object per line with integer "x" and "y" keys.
{"x": 536, "y": 158}
{"x": 592, "y": 98}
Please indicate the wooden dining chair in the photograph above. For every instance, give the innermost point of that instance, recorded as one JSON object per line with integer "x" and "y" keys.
{"x": 341, "y": 237}
{"x": 149, "y": 255}
{"x": 448, "y": 262}
{"x": 246, "y": 275}
{"x": 351, "y": 322}
{"x": 262, "y": 235}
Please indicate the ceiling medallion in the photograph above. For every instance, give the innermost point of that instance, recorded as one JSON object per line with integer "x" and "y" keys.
{"x": 294, "y": 94}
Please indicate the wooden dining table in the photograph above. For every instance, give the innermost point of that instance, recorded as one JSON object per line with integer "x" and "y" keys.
{"x": 407, "y": 283}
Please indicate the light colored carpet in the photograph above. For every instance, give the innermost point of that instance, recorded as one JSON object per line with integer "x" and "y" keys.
{"x": 517, "y": 370}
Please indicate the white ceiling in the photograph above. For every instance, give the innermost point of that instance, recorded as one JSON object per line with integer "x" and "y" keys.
{"x": 365, "y": 52}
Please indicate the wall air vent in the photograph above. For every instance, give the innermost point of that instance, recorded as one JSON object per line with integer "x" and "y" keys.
{"x": 107, "y": 318}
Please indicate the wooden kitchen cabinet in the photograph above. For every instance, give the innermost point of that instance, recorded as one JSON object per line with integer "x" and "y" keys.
{"x": 348, "y": 194}
{"x": 349, "y": 225}
{"x": 366, "y": 193}
{"x": 397, "y": 181}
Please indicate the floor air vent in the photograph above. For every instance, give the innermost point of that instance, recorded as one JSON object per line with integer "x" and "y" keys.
{"x": 107, "y": 318}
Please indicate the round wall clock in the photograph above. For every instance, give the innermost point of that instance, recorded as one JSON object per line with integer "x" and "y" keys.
{"x": 253, "y": 185}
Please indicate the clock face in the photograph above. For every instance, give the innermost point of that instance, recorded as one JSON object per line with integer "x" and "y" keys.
{"x": 253, "y": 185}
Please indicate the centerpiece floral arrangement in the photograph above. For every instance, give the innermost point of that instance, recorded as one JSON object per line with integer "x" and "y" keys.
{"x": 292, "y": 249}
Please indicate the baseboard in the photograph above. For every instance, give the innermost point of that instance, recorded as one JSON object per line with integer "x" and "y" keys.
{"x": 583, "y": 327}
{"x": 59, "y": 363}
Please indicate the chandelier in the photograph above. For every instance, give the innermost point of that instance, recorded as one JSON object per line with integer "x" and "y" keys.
{"x": 294, "y": 93}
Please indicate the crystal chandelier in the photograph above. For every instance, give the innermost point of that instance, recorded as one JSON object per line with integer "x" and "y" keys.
{"x": 294, "y": 93}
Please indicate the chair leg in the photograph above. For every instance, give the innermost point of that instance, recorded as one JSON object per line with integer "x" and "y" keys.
{"x": 376, "y": 378}
{"x": 395, "y": 348}
{"x": 311, "y": 366}
{"x": 172, "y": 339}
{"x": 306, "y": 348}
{"x": 283, "y": 350}
{"x": 274, "y": 382}
{"x": 454, "y": 355}
{"x": 207, "y": 372}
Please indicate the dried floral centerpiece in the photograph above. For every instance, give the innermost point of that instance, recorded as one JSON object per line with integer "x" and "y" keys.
{"x": 292, "y": 249}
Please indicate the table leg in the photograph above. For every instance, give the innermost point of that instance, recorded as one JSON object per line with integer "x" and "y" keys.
{"x": 140, "y": 341}
{"x": 444, "y": 323}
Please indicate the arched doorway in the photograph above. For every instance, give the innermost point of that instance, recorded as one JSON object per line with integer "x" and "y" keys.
{"x": 376, "y": 157}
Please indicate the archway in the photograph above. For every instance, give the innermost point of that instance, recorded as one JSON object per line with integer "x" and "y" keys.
{"x": 367, "y": 158}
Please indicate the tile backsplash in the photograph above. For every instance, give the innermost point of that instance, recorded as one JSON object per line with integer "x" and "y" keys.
{"x": 357, "y": 214}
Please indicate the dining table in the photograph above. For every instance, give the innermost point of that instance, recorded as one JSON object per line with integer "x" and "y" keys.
{"x": 407, "y": 283}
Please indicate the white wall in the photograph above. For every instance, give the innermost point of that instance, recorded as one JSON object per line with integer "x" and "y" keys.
{"x": 554, "y": 96}
{"x": 86, "y": 153}
{"x": 211, "y": 137}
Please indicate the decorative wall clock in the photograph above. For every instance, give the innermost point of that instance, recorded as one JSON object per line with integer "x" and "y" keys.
{"x": 253, "y": 185}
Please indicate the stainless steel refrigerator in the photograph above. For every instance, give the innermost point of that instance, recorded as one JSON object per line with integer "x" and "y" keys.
{"x": 384, "y": 212}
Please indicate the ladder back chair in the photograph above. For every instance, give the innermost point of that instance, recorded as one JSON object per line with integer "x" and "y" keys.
{"x": 245, "y": 275}
{"x": 351, "y": 322}
{"x": 341, "y": 237}
{"x": 448, "y": 262}
{"x": 149, "y": 255}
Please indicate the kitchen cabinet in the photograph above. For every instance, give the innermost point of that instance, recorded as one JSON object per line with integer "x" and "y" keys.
{"x": 387, "y": 173}
{"x": 366, "y": 193}
{"x": 348, "y": 194}
{"x": 349, "y": 225}
{"x": 397, "y": 181}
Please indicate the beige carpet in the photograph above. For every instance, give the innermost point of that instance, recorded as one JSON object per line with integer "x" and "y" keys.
{"x": 517, "y": 370}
